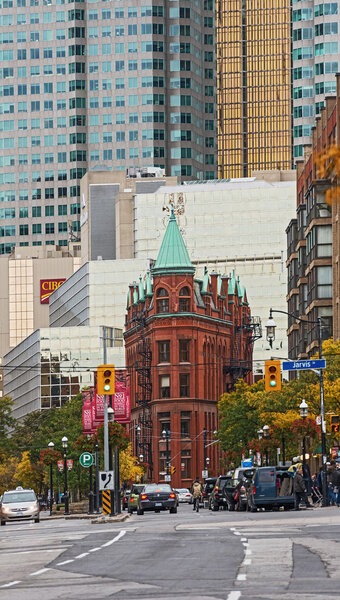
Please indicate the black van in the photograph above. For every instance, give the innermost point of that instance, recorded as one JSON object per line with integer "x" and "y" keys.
{"x": 271, "y": 487}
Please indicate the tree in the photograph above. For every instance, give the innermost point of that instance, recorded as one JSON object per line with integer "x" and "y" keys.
{"x": 328, "y": 163}
{"x": 8, "y": 468}
{"x": 28, "y": 475}
{"x": 6, "y": 422}
{"x": 129, "y": 468}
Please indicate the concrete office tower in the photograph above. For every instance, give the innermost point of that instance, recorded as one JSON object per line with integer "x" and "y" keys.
{"x": 123, "y": 84}
{"x": 254, "y": 86}
{"x": 315, "y": 63}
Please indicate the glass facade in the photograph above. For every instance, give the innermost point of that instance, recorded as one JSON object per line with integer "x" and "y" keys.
{"x": 76, "y": 76}
{"x": 254, "y": 86}
{"x": 53, "y": 364}
{"x": 316, "y": 60}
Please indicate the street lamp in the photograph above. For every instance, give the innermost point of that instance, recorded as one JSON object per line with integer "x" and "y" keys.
{"x": 270, "y": 337}
{"x": 51, "y": 447}
{"x": 303, "y": 414}
{"x": 64, "y": 442}
{"x": 137, "y": 434}
{"x": 166, "y": 435}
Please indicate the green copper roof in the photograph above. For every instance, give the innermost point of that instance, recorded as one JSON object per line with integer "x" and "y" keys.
{"x": 148, "y": 283}
{"x": 220, "y": 291}
{"x": 206, "y": 281}
{"x": 231, "y": 284}
{"x": 173, "y": 256}
{"x": 141, "y": 295}
{"x": 135, "y": 294}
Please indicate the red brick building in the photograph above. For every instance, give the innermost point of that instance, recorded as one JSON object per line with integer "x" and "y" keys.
{"x": 187, "y": 341}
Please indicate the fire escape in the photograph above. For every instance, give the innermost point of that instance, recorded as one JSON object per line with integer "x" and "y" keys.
{"x": 143, "y": 395}
{"x": 235, "y": 366}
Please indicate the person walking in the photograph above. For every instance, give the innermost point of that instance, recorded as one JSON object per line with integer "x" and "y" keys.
{"x": 335, "y": 482}
{"x": 197, "y": 493}
{"x": 300, "y": 489}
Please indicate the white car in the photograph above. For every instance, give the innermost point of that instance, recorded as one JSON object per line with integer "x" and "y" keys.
{"x": 18, "y": 505}
{"x": 184, "y": 495}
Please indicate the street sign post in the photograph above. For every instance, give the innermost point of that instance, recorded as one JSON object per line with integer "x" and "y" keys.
{"x": 86, "y": 459}
{"x": 167, "y": 477}
{"x": 106, "y": 480}
{"x": 298, "y": 365}
{"x": 204, "y": 474}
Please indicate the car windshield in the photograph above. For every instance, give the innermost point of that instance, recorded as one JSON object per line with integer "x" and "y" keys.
{"x": 182, "y": 491}
{"x": 18, "y": 497}
{"x": 137, "y": 489}
{"x": 154, "y": 487}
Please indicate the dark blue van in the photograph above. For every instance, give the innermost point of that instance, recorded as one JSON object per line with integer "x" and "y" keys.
{"x": 272, "y": 487}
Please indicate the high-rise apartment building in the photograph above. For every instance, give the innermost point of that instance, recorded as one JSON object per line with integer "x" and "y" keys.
{"x": 125, "y": 84}
{"x": 254, "y": 86}
{"x": 316, "y": 59}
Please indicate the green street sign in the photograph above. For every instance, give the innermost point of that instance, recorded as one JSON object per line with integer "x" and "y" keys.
{"x": 86, "y": 459}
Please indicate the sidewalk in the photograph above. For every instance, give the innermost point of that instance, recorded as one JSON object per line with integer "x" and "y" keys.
{"x": 95, "y": 517}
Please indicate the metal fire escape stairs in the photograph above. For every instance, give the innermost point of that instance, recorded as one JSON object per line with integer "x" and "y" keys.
{"x": 236, "y": 367}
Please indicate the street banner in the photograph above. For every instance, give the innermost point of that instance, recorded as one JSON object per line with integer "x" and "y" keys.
{"x": 99, "y": 407}
{"x": 95, "y": 422}
{"x": 121, "y": 403}
{"x": 60, "y": 465}
{"x": 87, "y": 412}
{"x": 69, "y": 463}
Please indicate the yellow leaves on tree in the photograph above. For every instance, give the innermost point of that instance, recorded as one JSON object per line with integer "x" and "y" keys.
{"x": 8, "y": 467}
{"x": 328, "y": 164}
{"x": 29, "y": 475}
{"x": 130, "y": 470}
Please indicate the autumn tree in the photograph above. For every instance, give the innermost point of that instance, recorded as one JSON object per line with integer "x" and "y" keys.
{"x": 328, "y": 168}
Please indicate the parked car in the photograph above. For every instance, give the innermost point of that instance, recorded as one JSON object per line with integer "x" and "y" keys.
{"x": 217, "y": 498}
{"x": 125, "y": 499}
{"x": 19, "y": 505}
{"x": 157, "y": 497}
{"x": 208, "y": 487}
{"x": 133, "y": 499}
{"x": 271, "y": 487}
{"x": 184, "y": 495}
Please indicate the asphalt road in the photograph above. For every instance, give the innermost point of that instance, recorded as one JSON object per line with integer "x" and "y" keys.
{"x": 205, "y": 556}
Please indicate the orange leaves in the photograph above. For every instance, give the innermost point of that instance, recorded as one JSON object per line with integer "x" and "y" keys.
{"x": 328, "y": 167}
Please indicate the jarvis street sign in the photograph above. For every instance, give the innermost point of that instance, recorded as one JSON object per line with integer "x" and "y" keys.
{"x": 297, "y": 365}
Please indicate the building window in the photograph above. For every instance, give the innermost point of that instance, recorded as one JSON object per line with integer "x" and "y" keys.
{"x": 184, "y": 391}
{"x": 184, "y": 300}
{"x": 184, "y": 346}
{"x": 162, "y": 301}
{"x": 164, "y": 386}
{"x": 185, "y": 424}
{"x": 164, "y": 351}
{"x": 186, "y": 464}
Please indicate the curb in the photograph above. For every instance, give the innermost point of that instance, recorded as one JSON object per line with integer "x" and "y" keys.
{"x": 78, "y": 516}
{"x": 107, "y": 519}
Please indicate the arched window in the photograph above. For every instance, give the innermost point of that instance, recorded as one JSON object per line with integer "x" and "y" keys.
{"x": 184, "y": 300}
{"x": 162, "y": 301}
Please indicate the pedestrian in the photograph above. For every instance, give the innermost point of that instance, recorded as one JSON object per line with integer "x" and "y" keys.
{"x": 334, "y": 479}
{"x": 331, "y": 492}
{"x": 300, "y": 489}
{"x": 196, "y": 491}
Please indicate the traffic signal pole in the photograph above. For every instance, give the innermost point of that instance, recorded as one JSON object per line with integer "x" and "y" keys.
{"x": 106, "y": 419}
{"x": 323, "y": 425}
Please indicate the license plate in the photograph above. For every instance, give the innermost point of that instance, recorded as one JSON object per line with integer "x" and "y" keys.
{"x": 19, "y": 514}
{"x": 158, "y": 504}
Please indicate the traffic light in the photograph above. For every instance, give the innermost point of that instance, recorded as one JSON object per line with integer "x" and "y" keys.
{"x": 105, "y": 380}
{"x": 272, "y": 372}
{"x": 335, "y": 425}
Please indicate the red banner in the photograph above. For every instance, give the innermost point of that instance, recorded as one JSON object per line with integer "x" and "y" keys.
{"x": 87, "y": 412}
{"x": 121, "y": 403}
{"x": 93, "y": 404}
{"x": 99, "y": 407}
{"x": 47, "y": 286}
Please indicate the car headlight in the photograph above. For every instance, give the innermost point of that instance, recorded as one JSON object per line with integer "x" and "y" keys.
{"x": 6, "y": 509}
{"x": 33, "y": 507}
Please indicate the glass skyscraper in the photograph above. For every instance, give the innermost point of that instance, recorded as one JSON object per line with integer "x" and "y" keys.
{"x": 121, "y": 83}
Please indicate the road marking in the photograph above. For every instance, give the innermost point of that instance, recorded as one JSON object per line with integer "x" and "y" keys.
{"x": 241, "y": 577}
{"x": 247, "y": 561}
{"x": 236, "y": 533}
{"x": 115, "y": 539}
{"x": 39, "y": 572}
{"x": 243, "y": 539}
{"x": 65, "y": 562}
{"x": 6, "y": 585}
{"x": 248, "y": 552}
{"x": 234, "y": 595}
{"x": 232, "y": 528}
{"x": 94, "y": 549}
{"x": 82, "y": 555}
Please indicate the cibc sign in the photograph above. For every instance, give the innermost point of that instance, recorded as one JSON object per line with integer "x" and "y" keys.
{"x": 47, "y": 286}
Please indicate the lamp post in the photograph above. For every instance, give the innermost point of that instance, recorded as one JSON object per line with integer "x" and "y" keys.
{"x": 137, "y": 434}
{"x": 97, "y": 478}
{"x": 51, "y": 447}
{"x": 166, "y": 435}
{"x": 266, "y": 436}
{"x": 207, "y": 463}
{"x": 204, "y": 448}
{"x": 303, "y": 414}
{"x": 270, "y": 338}
{"x": 64, "y": 442}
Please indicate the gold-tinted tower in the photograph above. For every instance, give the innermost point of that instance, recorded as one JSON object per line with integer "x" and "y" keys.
{"x": 253, "y": 86}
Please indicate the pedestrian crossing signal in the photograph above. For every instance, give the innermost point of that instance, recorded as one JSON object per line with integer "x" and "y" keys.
{"x": 335, "y": 425}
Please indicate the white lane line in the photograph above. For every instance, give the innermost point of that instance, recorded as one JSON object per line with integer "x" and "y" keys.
{"x": 234, "y": 595}
{"x": 241, "y": 577}
{"x": 65, "y": 562}
{"x": 94, "y": 549}
{"x": 248, "y": 552}
{"x": 232, "y": 528}
{"x": 82, "y": 555}
{"x": 6, "y": 585}
{"x": 39, "y": 572}
{"x": 115, "y": 539}
{"x": 243, "y": 539}
{"x": 236, "y": 533}
{"x": 247, "y": 561}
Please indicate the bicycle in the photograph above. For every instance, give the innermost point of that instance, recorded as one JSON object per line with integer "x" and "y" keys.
{"x": 197, "y": 503}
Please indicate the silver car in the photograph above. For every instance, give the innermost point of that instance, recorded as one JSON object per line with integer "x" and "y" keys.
{"x": 19, "y": 504}
{"x": 184, "y": 495}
